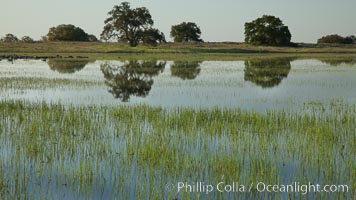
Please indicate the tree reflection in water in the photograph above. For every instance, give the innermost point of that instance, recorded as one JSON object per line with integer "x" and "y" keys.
{"x": 186, "y": 70}
{"x": 67, "y": 66}
{"x": 267, "y": 73}
{"x": 133, "y": 78}
{"x": 335, "y": 61}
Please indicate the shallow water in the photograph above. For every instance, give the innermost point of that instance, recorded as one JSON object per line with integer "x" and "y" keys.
{"x": 259, "y": 84}
{"x": 133, "y": 152}
{"x": 103, "y": 151}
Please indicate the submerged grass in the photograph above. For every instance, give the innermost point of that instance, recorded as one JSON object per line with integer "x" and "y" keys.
{"x": 132, "y": 152}
{"x": 33, "y": 83}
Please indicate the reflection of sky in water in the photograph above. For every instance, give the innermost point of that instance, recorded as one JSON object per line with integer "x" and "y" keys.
{"x": 219, "y": 83}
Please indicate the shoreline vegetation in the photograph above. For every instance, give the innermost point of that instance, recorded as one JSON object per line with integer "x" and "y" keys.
{"x": 170, "y": 51}
{"x": 207, "y": 47}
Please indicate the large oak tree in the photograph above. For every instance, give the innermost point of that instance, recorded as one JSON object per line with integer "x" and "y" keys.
{"x": 130, "y": 24}
{"x": 186, "y": 32}
{"x": 267, "y": 30}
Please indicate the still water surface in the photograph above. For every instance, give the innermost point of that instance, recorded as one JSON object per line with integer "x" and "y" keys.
{"x": 259, "y": 84}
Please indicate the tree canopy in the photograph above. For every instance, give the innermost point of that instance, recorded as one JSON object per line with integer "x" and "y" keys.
{"x": 350, "y": 39}
{"x": 337, "y": 39}
{"x": 27, "y": 39}
{"x": 267, "y": 30}
{"x": 9, "y": 38}
{"x": 186, "y": 32}
{"x": 67, "y": 32}
{"x": 130, "y": 24}
{"x": 153, "y": 36}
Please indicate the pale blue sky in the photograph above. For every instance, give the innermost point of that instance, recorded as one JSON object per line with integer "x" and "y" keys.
{"x": 219, "y": 20}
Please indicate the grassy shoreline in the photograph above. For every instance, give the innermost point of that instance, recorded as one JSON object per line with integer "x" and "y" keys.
{"x": 331, "y": 57}
{"x": 171, "y": 51}
{"x": 170, "y": 48}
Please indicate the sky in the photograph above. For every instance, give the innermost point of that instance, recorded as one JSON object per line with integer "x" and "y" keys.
{"x": 219, "y": 21}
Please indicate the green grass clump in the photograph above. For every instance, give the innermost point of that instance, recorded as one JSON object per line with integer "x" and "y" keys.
{"x": 36, "y": 83}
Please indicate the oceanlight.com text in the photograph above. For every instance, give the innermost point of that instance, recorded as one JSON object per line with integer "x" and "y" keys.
{"x": 235, "y": 187}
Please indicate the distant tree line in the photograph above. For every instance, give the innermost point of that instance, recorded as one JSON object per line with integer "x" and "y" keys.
{"x": 135, "y": 26}
{"x": 12, "y": 38}
{"x": 337, "y": 39}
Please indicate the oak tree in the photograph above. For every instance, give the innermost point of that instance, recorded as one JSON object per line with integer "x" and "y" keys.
{"x": 186, "y": 32}
{"x": 127, "y": 24}
{"x": 267, "y": 30}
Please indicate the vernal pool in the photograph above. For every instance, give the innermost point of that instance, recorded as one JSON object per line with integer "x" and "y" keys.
{"x": 255, "y": 84}
{"x": 139, "y": 129}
